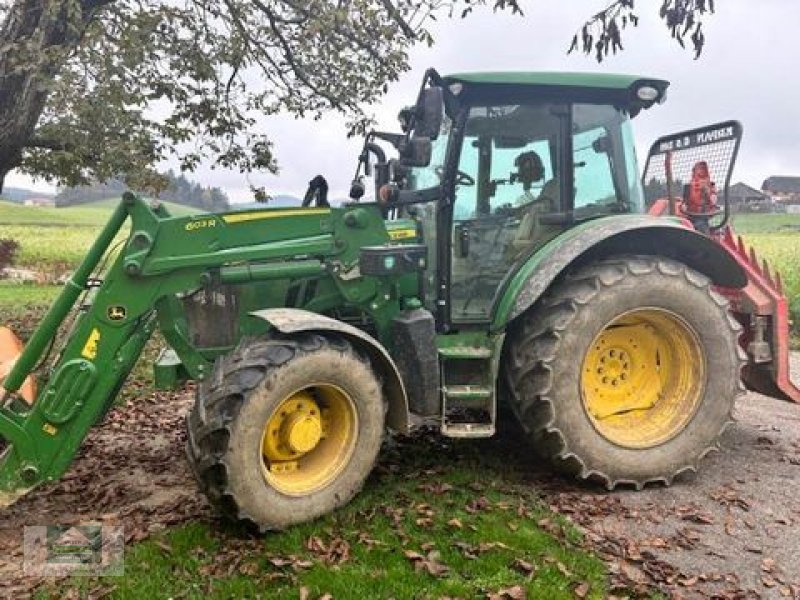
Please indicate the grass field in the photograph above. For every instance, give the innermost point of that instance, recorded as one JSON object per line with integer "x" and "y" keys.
{"x": 777, "y": 238}
{"x": 54, "y": 240}
{"x": 774, "y": 223}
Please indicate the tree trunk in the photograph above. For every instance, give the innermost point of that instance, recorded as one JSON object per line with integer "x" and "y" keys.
{"x": 34, "y": 42}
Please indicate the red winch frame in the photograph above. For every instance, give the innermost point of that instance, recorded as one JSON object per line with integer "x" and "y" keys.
{"x": 761, "y": 306}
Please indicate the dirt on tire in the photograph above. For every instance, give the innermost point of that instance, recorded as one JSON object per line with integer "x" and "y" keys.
{"x": 543, "y": 363}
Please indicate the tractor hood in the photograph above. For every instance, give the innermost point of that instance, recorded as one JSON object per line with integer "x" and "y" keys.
{"x": 633, "y": 93}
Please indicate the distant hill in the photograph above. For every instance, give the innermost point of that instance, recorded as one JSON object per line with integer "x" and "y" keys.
{"x": 19, "y": 195}
{"x": 179, "y": 190}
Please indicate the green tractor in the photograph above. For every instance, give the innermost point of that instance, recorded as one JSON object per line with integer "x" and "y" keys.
{"x": 509, "y": 258}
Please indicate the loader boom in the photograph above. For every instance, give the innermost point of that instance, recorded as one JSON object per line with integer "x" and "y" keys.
{"x": 164, "y": 261}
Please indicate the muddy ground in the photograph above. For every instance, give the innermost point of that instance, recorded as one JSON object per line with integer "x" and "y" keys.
{"x": 730, "y": 532}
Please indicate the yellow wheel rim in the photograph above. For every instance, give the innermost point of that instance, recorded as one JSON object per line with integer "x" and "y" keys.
{"x": 309, "y": 439}
{"x": 643, "y": 378}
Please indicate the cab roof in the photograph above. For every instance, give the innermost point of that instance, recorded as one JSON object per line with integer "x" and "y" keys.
{"x": 600, "y": 87}
{"x": 544, "y": 78}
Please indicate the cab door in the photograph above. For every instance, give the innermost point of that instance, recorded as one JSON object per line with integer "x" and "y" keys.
{"x": 508, "y": 178}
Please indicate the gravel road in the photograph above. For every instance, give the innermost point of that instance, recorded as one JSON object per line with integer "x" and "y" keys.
{"x": 734, "y": 528}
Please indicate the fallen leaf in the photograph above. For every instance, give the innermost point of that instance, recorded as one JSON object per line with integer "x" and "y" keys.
{"x": 467, "y": 550}
{"x": 523, "y": 566}
{"x": 581, "y": 590}
{"x": 486, "y": 546}
{"x": 429, "y": 563}
{"x": 437, "y": 489}
{"x": 363, "y": 538}
{"x": 513, "y": 593}
{"x": 456, "y": 523}
{"x": 477, "y": 505}
{"x": 334, "y": 552}
{"x": 564, "y": 570}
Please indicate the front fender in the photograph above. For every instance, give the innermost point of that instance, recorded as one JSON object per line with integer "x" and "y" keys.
{"x": 596, "y": 239}
{"x": 293, "y": 320}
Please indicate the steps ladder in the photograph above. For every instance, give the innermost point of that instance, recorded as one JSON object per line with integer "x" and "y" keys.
{"x": 468, "y": 392}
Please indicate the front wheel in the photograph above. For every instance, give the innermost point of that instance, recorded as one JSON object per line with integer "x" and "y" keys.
{"x": 627, "y": 372}
{"x": 286, "y": 430}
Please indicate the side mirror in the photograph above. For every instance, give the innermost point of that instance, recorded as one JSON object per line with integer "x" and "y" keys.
{"x": 416, "y": 152}
{"x": 429, "y": 113}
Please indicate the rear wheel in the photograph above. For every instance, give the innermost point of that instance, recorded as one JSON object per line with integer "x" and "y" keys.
{"x": 286, "y": 430}
{"x": 627, "y": 371}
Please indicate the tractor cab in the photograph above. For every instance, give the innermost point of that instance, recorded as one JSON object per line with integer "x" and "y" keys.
{"x": 514, "y": 159}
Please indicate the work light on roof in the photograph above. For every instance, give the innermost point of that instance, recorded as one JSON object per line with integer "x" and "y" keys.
{"x": 647, "y": 93}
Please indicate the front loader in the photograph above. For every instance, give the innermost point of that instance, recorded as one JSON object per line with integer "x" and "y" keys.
{"x": 508, "y": 257}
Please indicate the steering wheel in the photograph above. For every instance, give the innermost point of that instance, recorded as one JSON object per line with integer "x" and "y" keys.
{"x": 462, "y": 178}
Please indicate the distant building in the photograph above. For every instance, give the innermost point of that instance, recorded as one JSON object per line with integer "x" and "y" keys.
{"x": 744, "y": 198}
{"x": 39, "y": 201}
{"x": 783, "y": 190}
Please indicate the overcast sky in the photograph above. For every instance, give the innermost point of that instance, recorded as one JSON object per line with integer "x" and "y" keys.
{"x": 748, "y": 72}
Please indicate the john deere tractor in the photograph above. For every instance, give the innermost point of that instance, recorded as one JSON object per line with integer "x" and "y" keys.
{"x": 508, "y": 256}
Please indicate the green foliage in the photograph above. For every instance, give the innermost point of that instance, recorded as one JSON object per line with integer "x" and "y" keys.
{"x": 8, "y": 251}
{"x": 212, "y": 67}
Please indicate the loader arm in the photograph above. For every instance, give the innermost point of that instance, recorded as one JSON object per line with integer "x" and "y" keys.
{"x": 163, "y": 260}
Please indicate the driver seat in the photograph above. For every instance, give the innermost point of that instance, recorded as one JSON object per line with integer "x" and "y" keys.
{"x": 530, "y": 170}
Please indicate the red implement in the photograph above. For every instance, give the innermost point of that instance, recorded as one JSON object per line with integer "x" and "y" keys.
{"x": 763, "y": 310}
{"x": 10, "y": 348}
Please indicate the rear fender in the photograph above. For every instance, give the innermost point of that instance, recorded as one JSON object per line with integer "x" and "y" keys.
{"x": 293, "y": 320}
{"x": 594, "y": 240}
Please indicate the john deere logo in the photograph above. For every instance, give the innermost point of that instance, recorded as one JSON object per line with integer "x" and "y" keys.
{"x": 117, "y": 313}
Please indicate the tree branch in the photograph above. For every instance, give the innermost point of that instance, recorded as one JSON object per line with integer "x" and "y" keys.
{"x": 49, "y": 144}
{"x": 398, "y": 18}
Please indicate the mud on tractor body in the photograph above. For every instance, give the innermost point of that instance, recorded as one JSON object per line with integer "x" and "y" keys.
{"x": 508, "y": 257}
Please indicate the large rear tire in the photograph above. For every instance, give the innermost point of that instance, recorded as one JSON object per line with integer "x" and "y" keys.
{"x": 626, "y": 372}
{"x": 286, "y": 430}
